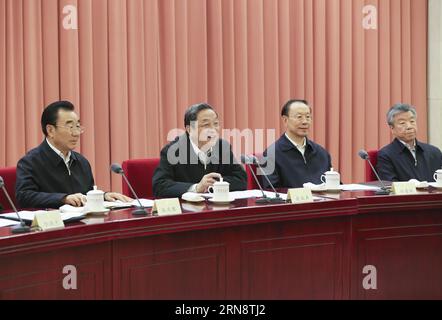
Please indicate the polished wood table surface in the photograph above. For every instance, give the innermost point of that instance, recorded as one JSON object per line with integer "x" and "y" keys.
{"x": 239, "y": 251}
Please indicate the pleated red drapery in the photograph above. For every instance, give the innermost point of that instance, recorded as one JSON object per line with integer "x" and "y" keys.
{"x": 133, "y": 66}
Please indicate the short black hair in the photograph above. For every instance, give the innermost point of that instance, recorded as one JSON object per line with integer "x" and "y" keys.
{"x": 286, "y": 107}
{"x": 50, "y": 113}
{"x": 192, "y": 113}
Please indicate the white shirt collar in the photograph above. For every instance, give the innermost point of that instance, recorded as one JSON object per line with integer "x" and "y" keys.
{"x": 67, "y": 159}
{"x": 297, "y": 145}
{"x": 201, "y": 155}
{"x": 411, "y": 147}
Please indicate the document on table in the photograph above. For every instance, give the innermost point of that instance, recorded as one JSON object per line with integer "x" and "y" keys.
{"x": 7, "y": 222}
{"x": 120, "y": 204}
{"x": 358, "y": 187}
{"x": 25, "y": 215}
{"x": 256, "y": 193}
{"x": 29, "y": 215}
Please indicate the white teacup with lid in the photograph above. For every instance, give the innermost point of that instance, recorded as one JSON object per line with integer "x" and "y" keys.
{"x": 332, "y": 179}
{"x": 220, "y": 190}
{"x": 438, "y": 178}
{"x": 95, "y": 200}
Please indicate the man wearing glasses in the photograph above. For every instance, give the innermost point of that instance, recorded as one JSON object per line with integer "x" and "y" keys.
{"x": 407, "y": 158}
{"x": 197, "y": 159}
{"x": 52, "y": 174}
{"x": 294, "y": 159}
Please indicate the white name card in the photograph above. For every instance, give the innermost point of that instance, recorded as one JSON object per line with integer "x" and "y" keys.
{"x": 299, "y": 195}
{"x": 167, "y": 207}
{"x": 48, "y": 220}
{"x": 399, "y": 188}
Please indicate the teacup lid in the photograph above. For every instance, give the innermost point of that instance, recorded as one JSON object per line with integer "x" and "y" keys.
{"x": 221, "y": 181}
{"x": 95, "y": 191}
{"x": 439, "y": 170}
{"x": 332, "y": 172}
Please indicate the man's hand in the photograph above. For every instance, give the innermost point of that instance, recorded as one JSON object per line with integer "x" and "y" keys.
{"x": 114, "y": 196}
{"x": 207, "y": 181}
{"x": 76, "y": 200}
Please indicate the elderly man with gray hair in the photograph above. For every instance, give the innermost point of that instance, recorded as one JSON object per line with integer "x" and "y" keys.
{"x": 406, "y": 158}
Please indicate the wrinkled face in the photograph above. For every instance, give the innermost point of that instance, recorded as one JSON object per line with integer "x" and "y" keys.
{"x": 205, "y": 131}
{"x": 66, "y": 133}
{"x": 404, "y": 127}
{"x": 298, "y": 120}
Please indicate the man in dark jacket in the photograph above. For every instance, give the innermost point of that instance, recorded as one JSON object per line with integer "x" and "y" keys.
{"x": 406, "y": 158}
{"x": 197, "y": 159}
{"x": 52, "y": 174}
{"x": 294, "y": 159}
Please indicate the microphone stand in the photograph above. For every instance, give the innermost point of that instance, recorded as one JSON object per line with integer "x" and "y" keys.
{"x": 384, "y": 190}
{"x": 139, "y": 211}
{"x": 277, "y": 198}
{"x": 19, "y": 228}
{"x": 264, "y": 198}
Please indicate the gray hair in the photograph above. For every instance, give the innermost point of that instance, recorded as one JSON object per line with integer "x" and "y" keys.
{"x": 399, "y": 108}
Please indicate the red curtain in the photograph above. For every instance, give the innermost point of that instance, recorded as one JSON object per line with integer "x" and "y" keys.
{"x": 133, "y": 66}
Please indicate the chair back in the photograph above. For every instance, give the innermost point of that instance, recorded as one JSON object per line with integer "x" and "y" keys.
{"x": 369, "y": 174}
{"x": 9, "y": 177}
{"x": 139, "y": 172}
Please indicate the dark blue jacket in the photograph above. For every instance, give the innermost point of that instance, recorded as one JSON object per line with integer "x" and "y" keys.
{"x": 43, "y": 179}
{"x": 291, "y": 170}
{"x": 172, "y": 179}
{"x": 396, "y": 162}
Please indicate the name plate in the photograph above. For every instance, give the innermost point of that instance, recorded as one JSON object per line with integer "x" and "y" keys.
{"x": 167, "y": 207}
{"x": 48, "y": 220}
{"x": 299, "y": 195}
{"x": 403, "y": 188}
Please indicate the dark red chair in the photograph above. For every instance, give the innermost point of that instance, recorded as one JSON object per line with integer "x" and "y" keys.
{"x": 9, "y": 177}
{"x": 369, "y": 174}
{"x": 251, "y": 183}
{"x": 139, "y": 172}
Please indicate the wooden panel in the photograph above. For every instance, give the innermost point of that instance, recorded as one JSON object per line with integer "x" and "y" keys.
{"x": 40, "y": 276}
{"x": 405, "y": 250}
{"x": 183, "y": 266}
{"x": 296, "y": 261}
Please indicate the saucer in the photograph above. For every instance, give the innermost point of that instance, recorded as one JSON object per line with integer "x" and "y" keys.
{"x": 231, "y": 199}
{"x": 192, "y": 197}
{"x": 422, "y": 186}
{"x": 435, "y": 185}
{"x": 419, "y": 184}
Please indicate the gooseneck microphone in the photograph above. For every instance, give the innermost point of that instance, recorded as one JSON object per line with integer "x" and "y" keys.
{"x": 19, "y": 228}
{"x": 248, "y": 161}
{"x": 277, "y": 198}
{"x": 364, "y": 156}
{"x": 139, "y": 211}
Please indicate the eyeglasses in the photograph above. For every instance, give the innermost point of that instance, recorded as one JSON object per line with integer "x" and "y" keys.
{"x": 300, "y": 117}
{"x": 73, "y": 128}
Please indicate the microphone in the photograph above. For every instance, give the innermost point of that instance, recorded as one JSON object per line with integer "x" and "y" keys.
{"x": 364, "y": 156}
{"x": 19, "y": 228}
{"x": 116, "y": 168}
{"x": 248, "y": 161}
{"x": 277, "y": 198}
